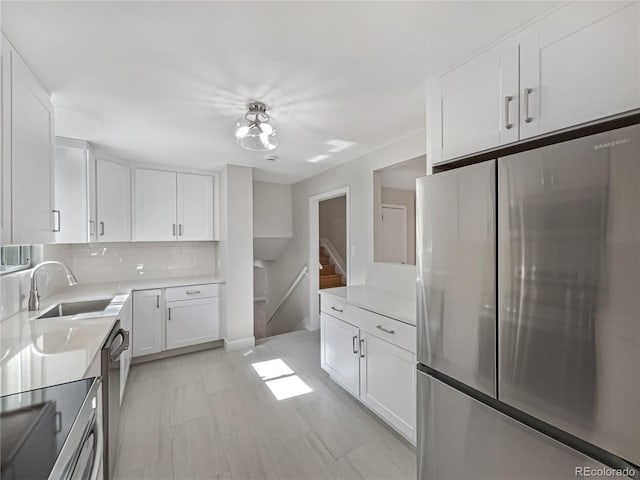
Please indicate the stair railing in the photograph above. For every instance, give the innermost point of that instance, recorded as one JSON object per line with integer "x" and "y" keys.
{"x": 303, "y": 272}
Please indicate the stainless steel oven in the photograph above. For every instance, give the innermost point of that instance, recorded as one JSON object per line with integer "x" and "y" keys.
{"x": 53, "y": 433}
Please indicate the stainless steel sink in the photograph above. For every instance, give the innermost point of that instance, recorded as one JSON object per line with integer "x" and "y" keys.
{"x": 75, "y": 308}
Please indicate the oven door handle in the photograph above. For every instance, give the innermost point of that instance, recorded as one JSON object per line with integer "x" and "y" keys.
{"x": 123, "y": 346}
{"x": 97, "y": 452}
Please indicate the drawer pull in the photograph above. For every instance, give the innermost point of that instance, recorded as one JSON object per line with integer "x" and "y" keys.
{"x": 380, "y": 327}
{"x": 337, "y": 309}
{"x": 192, "y": 292}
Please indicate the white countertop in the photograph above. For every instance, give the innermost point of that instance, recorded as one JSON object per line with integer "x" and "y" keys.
{"x": 376, "y": 301}
{"x": 36, "y": 353}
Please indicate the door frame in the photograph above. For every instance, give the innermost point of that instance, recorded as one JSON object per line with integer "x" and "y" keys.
{"x": 314, "y": 249}
{"x": 406, "y": 223}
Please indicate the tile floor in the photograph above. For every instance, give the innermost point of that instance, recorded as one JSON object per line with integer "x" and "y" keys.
{"x": 210, "y": 415}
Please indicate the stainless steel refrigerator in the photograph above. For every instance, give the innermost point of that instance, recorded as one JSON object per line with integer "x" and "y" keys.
{"x": 529, "y": 314}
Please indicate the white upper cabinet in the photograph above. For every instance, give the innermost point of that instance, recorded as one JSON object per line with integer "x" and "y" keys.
{"x": 27, "y": 151}
{"x": 578, "y": 64}
{"x": 173, "y": 206}
{"x": 195, "y": 207}
{"x": 155, "y": 205}
{"x": 71, "y": 204}
{"x": 581, "y": 64}
{"x": 113, "y": 185}
{"x": 474, "y": 101}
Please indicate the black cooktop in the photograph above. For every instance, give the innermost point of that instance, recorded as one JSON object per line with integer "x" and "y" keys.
{"x": 35, "y": 425}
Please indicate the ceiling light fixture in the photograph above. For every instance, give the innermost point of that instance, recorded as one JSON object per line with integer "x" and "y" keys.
{"x": 256, "y": 130}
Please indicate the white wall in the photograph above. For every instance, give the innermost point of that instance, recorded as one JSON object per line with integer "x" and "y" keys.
{"x": 333, "y": 223}
{"x": 358, "y": 176}
{"x": 236, "y": 255}
{"x": 272, "y": 210}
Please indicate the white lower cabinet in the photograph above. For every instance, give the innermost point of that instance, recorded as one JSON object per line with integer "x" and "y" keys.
{"x": 126, "y": 322}
{"x": 388, "y": 382}
{"x": 339, "y": 352}
{"x": 190, "y": 322}
{"x": 147, "y": 322}
{"x": 379, "y": 372}
{"x": 175, "y": 317}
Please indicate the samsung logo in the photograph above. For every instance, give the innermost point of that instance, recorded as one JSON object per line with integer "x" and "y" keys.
{"x": 613, "y": 143}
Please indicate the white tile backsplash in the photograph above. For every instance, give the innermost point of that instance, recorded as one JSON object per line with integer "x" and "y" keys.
{"x": 107, "y": 262}
{"x": 112, "y": 262}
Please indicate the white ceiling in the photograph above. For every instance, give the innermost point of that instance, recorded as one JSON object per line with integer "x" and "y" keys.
{"x": 162, "y": 82}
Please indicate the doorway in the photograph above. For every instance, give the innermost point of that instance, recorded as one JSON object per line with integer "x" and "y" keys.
{"x": 329, "y": 257}
{"x": 394, "y": 233}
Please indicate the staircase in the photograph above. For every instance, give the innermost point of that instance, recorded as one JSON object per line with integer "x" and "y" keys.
{"x": 328, "y": 276}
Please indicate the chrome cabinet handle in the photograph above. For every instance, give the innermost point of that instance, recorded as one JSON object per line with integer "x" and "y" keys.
{"x": 362, "y": 348}
{"x": 507, "y": 100}
{"x": 157, "y": 301}
{"x": 337, "y": 309}
{"x": 527, "y": 117}
{"x": 380, "y": 327}
{"x": 169, "y": 313}
{"x": 355, "y": 344}
{"x": 101, "y": 229}
{"x": 180, "y": 229}
{"x": 174, "y": 229}
{"x": 56, "y": 229}
{"x": 192, "y": 292}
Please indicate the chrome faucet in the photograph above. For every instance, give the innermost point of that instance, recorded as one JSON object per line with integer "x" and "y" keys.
{"x": 34, "y": 298}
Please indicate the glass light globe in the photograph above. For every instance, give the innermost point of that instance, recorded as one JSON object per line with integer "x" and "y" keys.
{"x": 256, "y": 130}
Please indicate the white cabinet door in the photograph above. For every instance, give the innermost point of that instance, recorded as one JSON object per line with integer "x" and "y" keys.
{"x": 195, "y": 207}
{"x": 388, "y": 383}
{"x": 71, "y": 193}
{"x": 339, "y": 352}
{"x": 126, "y": 322}
{"x": 91, "y": 179}
{"x": 580, "y": 64}
{"x": 28, "y": 134}
{"x": 155, "y": 205}
{"x": 114, "y": 201}
{"x": 475, "y": 100}
{"x": 190, "y": 322}
{"x": 147, "y": 322}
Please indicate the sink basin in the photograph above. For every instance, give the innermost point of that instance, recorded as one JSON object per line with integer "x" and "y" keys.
{"x": 75, "y": 308}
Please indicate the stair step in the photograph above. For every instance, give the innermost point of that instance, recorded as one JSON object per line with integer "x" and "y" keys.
{"x": 322, "y": 252}
{"x": 328, "y": 270}
{"x": 328, "y": 281}
{"x": 324, "y": 260}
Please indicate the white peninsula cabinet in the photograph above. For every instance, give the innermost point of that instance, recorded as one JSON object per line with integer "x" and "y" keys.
{"x": 578, "y": 64}
{"x": 372, "y": 356}
{"x": 147, "y": 322}
{"x": 26, "y": 216}
{"x": 173, "y": 206}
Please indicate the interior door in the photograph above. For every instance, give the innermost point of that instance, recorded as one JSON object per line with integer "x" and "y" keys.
{"x": 190, "y": 322}
{"x": 581, "y": 64}
{"x": 339, "y": 343}
{"x": 195, "y": 207}
{"x": 114, "y": 201}
{"x": 456, "y": 274}
{"x": 394, "y": 234}
{"x": 155, "y": 205}
{"x": 569, "y": 243}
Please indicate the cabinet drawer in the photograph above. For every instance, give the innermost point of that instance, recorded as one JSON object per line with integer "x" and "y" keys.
{"x": 191, "y": 292}
{"x": 336, "y": 308}
{"x": 394, "y": 331}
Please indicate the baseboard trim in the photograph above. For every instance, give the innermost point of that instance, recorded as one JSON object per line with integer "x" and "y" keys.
{"x": 239, "y": 344}
{"x": 175, "y": 352}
